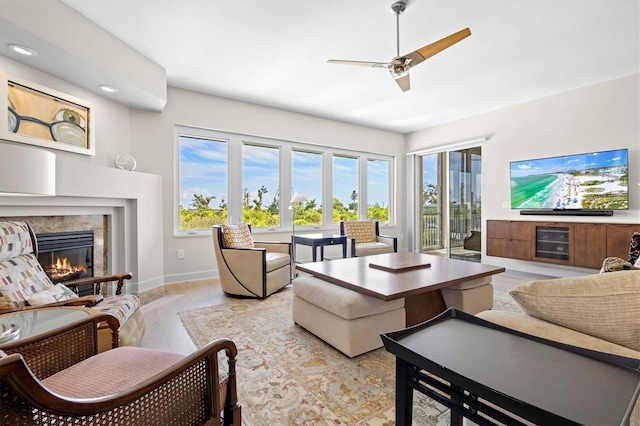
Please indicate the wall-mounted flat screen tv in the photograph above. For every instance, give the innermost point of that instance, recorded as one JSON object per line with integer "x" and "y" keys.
{"x": 591, "y": 181}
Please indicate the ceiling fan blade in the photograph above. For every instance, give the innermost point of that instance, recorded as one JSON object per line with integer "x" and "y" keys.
{"x": 360, "y": 63}
{"x": 431, "y": 49}
{"x": 404, "y": 82}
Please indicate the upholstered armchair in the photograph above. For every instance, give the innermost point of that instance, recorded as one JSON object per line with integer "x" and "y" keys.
{"x": 364, "y": 238}
{"x": 25, "y": 285}
{"x": 60, "y": 379}
{"x": 249, "y": 268}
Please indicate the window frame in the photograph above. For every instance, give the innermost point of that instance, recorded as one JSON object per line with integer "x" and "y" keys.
{"x": 235, "y": 143}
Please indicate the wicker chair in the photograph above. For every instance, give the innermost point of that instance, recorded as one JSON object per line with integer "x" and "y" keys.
{"x": 60, "y": 378}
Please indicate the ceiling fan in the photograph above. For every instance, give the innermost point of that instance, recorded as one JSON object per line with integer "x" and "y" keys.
{"x": 400, "y": 65}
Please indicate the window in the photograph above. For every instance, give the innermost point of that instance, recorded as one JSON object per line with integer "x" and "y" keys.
{"x": 225, "y": 177}
{"x": 378, "y": 190}
{"x": 261, "y": 185}
{"x": 306, "y": 168}
{"x": 345, "y": 188}
{"x": 203, "y": 178}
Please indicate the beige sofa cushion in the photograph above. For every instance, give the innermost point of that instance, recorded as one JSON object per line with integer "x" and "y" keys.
{"x": 601, "y": 305}
{"x": 557, "y": 333}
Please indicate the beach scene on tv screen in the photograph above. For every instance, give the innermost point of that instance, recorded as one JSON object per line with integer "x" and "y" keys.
{"x": 596, "y": 180}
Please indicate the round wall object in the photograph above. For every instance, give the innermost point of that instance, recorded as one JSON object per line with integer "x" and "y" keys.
{"x": 125, "y": 162}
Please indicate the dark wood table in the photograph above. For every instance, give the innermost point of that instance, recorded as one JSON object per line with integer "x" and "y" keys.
{"x": 417, "y": 283}
{"x": 471, "y": 366}
{"x": 320, "y": 240}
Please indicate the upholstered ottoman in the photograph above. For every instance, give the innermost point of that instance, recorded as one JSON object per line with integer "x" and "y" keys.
{"x": 349, "y": 321}
{"x": 470, "y": 296}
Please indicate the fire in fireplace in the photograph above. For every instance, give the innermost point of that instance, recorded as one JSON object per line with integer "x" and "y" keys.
{"x": 66, "y": 255}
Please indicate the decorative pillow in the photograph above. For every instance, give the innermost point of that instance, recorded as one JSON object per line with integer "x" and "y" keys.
{"x": 237, "y": 236}
{"x": 15, "y": 240}
{"x": 606, "y": 306}
{"x": 21, "y": 277}
{"x": 57, "y": 293}
{"x": 613, "y": 264}
{"x": 362, "y": 231}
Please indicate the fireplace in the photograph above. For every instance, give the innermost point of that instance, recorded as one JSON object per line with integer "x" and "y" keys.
{"x": 66, "y": 256}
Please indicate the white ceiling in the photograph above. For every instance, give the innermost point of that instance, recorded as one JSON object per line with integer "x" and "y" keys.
{"x": 274, "y": 52}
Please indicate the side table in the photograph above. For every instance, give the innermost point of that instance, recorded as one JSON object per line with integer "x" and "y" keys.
{"x": 320, "y": 240}
{"x": 473, "y": 366}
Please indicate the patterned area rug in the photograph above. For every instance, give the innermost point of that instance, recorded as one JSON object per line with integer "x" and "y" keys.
{"x": 288, "y": 376}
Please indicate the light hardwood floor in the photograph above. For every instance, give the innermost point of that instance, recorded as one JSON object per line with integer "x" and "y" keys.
{"x": 164, "y": 329}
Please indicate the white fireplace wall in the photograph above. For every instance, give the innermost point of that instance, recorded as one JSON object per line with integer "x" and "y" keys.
{"x": 131, "y": 200}
{"x": 91, "y": 185}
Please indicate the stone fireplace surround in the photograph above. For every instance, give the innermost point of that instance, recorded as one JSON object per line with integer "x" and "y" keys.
{"x": 96, "y": 223}
{"x": 129, "y": 202}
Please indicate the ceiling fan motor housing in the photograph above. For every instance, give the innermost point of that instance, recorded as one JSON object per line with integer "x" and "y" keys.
{"x": 398, "y": 7}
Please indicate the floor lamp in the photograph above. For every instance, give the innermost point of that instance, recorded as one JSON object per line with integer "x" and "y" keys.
{"x": 298, "y": 198}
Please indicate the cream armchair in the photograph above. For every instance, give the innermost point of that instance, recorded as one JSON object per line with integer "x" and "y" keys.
{"x": 248, "y": 268}
{"x": 365, "y": 239}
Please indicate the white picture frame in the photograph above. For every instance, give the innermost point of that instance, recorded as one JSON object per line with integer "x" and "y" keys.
{"x": 41, "y": 116}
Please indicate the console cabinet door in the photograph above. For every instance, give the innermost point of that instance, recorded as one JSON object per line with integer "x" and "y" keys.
{"x": 509, "y": 239}
{"x": 619, "y": 239}
{"x": 588, "y": 248}
{"x": 553, "y": 242}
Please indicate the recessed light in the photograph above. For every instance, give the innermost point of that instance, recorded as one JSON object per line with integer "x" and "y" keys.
{"x": 23, "y": 50}
{"x": 108, "y": 89}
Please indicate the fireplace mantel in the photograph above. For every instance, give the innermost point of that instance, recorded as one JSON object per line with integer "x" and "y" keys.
{"x": 132, "y": 200}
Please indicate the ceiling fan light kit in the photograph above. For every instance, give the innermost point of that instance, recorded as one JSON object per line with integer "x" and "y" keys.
{"x": 399, "y": 66}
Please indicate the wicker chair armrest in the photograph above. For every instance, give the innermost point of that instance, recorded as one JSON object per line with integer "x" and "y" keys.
{"x": 96, "y": 281}
{"x": 201, "y": 368}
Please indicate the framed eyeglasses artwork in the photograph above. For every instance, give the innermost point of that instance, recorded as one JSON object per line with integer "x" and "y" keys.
{"x": 41, "y": 116}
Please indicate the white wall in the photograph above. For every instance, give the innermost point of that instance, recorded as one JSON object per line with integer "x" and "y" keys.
{"x": 595, "y": 118}
{"x": 153, "y": 145}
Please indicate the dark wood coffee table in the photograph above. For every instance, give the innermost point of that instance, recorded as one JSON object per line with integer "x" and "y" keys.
{"x": 418, "y": 284}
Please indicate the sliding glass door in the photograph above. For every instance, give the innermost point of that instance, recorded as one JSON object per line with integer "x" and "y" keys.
{"x": 465, "y": 186}
{"x": 450, "y": 215}
{"x": 431, "y": 214}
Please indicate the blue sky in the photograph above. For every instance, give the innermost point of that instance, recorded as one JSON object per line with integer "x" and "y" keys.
{"x": 569, "y": 162}
{"x": 204, "y": 171}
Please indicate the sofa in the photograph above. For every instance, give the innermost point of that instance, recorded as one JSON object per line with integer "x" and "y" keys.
{"x": 599, "y": 312}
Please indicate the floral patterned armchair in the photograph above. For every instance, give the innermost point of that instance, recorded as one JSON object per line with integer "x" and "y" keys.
{"x": 25, "y": 285}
